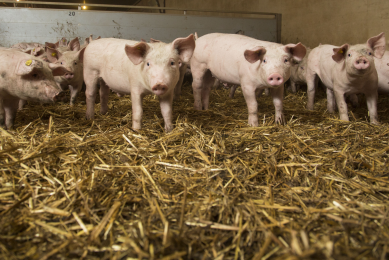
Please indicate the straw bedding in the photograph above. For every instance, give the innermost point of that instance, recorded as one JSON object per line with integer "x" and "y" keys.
{"x": 213, "y": 188}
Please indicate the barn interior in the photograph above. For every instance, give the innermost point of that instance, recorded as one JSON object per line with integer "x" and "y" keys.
{"x": 314, "y": 187}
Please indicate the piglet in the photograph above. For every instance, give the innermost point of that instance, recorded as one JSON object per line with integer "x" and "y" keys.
{"x": 25, "y": 77}
{"x": 71, "y": 59}
{"x": 346, "y": 70}
{"x": 136, "y": 68}
{"x": 298, "y": 72}
{"x": 244, "y": 61}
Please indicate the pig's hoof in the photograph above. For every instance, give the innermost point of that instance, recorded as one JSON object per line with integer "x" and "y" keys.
{"x": 280, "y": 120}
{"x": 309, "y": 107}
{"x": 375, "y": 122}
{"x": 253, "y": 122}
{"x": 89, "y": 117}
{"x": 168, "y": 128}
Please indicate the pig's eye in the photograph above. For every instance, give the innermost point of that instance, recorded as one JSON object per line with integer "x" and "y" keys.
{"x": 75, "y": 63}
{"x": 349, "y": 55}
{"x": 302, "y": 68}
{"x": 286, "y": 60}
{"x": 148, "y": 64}
{"x": 61, "y": 63}
{"x": 172, "y": 63}
{"x": 369, "y": 53}
{"x": 264, "y": 61}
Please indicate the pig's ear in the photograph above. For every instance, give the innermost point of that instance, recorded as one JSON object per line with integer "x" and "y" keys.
{"x": 255, "y": 54}
{"x": 29, "y": 51}
{"x": 340, "y": 53}
{"x": 80, "y": 54}
{"x": 86, "y": 41}
{"x": 74, "y": 45}
{"x": 53, "y": 55}
{"x": 154, "y": 40}
{"x": 137, "y": 52}
{"x": 26, "y": 67}
{"x": 185, "y": 47}
{"x": 142, "y": 40}
{"x": 298, "y": 50}
{"x": 57, "y": 69}
{"x": 377, "y": 43}
{"x": 196, "y": 36}
{"x": 97, "y": 38}
{"x": 51, "y": 45}
{"x": 39, "y": 51}
{"x": 63, "y": 42}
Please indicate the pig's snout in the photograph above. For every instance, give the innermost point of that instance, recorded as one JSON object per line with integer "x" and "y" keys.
{"x": 69, "y": 75}
{"x": 361, "y": 63}
{"x": 159, "y": 89}
{"x": 59, "y": 96}
{"x": 275, "y": 79}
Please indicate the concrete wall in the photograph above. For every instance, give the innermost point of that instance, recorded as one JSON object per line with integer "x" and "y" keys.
{"x": 309, "y": 21}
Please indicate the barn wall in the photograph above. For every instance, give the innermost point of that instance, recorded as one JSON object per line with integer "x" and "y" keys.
{"x": 311, "y": 22}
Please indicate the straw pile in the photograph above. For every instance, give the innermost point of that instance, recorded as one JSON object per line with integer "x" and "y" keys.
{"x": 214, "y": 188}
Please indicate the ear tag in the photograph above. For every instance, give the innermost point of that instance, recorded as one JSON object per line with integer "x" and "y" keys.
{"x": 257, "y": 52}
{"x": 341, "y": 51}
{"x": 53, "y": 54}
{"x": 33, "y": 50}
{"x": 138, "y": 48}
{"x": 28, "y": 63}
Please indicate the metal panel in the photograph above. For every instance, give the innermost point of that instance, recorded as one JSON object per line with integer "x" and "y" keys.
{"x": 49, "y": 25}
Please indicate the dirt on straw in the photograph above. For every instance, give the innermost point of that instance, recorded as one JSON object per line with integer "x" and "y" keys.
{"x": 213, "y": 188}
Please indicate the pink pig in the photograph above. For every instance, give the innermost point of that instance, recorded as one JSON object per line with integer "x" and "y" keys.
{"x": 346, "y": 70}
{"x": 382, "y": 66}
{"x": 244, "y": 61}
{"x": 23, "y": 76}
{"x": 136, "y": 68}
{"x": 72, "y": 59}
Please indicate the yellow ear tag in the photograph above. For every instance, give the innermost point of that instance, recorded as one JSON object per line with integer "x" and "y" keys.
{"x": 340, "y": 51}
{"x": 53, "y": 54}
{"x": 257, "y": 52}
{"x": 28, "y": 63}
{"x": 138, "y": 48}
{"x": 33, "y": 50}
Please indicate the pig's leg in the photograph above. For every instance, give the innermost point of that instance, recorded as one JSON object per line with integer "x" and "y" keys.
{"x": 137, "y": 110}
{"x": 252, "y": 105}
{"x": 312, "y": 82}
{"x": 22, "y": 104}
{"x": 293, "y": 86}
{"x": 342, "y": 106}
{"x": 259, "y": 92}
{"x": 166, "y": 104}
{"x": 354, "y": 100}
{"x": 330, "y": 101}
{"x": 74, "y": 93}
{"x": 177, "y": 89}
{"x": 198, "y": 71}
{"x": 10, "y": 108}
{"x": 206, "y": 91}
{"x": 90, "y": 93}
{"x": 104, "y": 94}
{"x": 371, "y": 100}
{"x": 232, "y": 90}
{"x": 2, "y": 114}
{"x": 278, "y": 97}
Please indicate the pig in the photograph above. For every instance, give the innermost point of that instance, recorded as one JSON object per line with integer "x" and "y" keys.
{"x": 382, "y": 66}
{"x": 244, "y": 61}
{"x": 136, "y": 68}
{"x": 298, "y": 72}
{"x": 346, "y": 70}
{"x": 89, "y": 40}
{"x": 24, "y": 76}
{"x": 72, "y": 60}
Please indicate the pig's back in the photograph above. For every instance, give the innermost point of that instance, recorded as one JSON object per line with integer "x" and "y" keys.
{"x": 105, "y": 53}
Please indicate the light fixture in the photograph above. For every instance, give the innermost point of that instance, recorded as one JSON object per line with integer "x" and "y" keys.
{"x": 84, "y": 7}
